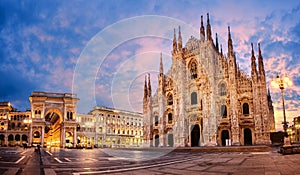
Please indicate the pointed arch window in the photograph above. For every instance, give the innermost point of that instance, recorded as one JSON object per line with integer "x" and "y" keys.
{"x": 156, "y": 120}
{"x": 193, "y": 70}
{"x": 170, "y": 118}
{"x": 194, "y": 98}
{"x": 246, "y": 109}
{"x": 222, "y": 89}
{"x": 170, "y": 99}
{"x": 224, "y": 111}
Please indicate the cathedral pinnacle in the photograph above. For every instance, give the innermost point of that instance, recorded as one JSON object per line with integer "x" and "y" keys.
{"x": 217, "y": 43}
{"x": 149, "y": 85}
{"x": 252, "y": 51}
{"x": 259, "y": 51}
{"x": 260, "y": 62}
{"x": 174, "y": 42}
{"x": 208, "y": 29}
{"x": 253, "y": 64}
{"x": 230, "y": 47}
{"x": 221, "y": 50}
{"x": 161, "y": 68}
{"x": 145, "y": 88}
{"x": 179, "y": 40}
{"x": 202, "y": 32}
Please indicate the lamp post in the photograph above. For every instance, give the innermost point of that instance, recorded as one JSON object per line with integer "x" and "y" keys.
{"x": 282, "y": 83}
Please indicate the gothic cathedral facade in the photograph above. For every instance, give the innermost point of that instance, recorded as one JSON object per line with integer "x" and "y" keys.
{"x": 205, "y": 99}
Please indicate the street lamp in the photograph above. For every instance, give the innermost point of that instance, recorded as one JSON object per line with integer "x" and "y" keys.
{"x": 282, "y": 82}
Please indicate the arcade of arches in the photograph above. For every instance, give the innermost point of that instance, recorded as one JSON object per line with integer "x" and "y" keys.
{"x": 50, "y": 121}
{"x": 53, "y": 119}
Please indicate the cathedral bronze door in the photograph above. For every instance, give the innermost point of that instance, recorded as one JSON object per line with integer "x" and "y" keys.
{"x": 156, "y": 138}
{"x": 170, "y": 140}
{"x": 224, "y": 137}
{"x": 195, "y": 135}
{"x": 247, "y": 137}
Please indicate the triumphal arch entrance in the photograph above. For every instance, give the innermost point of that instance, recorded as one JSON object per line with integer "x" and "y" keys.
{"x": 53, "y": 119}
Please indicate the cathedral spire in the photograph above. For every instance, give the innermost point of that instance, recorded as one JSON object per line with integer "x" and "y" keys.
{"x": 221, "y": 50}
{"x": 238, "y": 70}
{"x": 174, "y": 42}
{"x": 179, "y": 40}
{"x": 202, "y": 32}
{"x": 145, "y": 88}
{"x": 253, "y": 64}
{"x": 217, "y": 43}
{"x": 208, "y": 29}
{"x": 149, "y": 85}
{"x": 260, "y": 62}
{"x": 230, "y": 47}
{"x": 161, "y": 68}
{"x": 269, "y": 93}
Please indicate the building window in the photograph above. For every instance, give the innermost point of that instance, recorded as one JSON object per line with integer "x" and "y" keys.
{"x": 224, "y": 111}
{"x": 194, "y": 98}
{"x": 36, "y": 134}
{"x": 170, "y": 99}
{"x": 246, "y": 109}
{"x": 222, "y": 89}
{"x": 193, "y": 70}
{"x": 156, "y": 121}
{"x": 170, "y": 118}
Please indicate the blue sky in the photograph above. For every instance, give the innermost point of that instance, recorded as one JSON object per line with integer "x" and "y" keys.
{"x": 42, "y": 43}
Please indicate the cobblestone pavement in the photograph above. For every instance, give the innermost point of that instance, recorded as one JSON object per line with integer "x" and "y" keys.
{"x": 98, "y": 161}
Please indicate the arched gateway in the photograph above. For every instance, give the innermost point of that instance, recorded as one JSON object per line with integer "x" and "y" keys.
{"x": 53, "y": 117}
{"x": 195, "y": 135}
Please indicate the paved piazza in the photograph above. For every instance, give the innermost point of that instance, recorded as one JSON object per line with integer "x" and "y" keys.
{"x": 159, "y": 161}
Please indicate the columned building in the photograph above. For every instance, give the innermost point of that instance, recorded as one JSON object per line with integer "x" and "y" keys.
{"x": 294, "y": 130}
{"x": 117, "y": 128}
{"x": 52, "y": 121}
{"x": 14, "y": 125}
{"x": 205, "y": 99}
{"x": 53, "y": 117}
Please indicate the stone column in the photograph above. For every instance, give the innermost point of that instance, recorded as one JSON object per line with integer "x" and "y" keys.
{"x": 201, "y": 135}
{"x": 6, "y": 139}
{"x": 30, "y": 136}
{"x": 189, "y": 136}
{"x": 62, "y": 136}
{"x": 43, "y": 135}
{"x": 75, "y": 138}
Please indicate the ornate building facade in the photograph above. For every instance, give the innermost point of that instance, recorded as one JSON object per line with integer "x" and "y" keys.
{"x": 49, "y": 121}
{"x": 294, "y": 130}
{"x": 206, "y": 99}
{"x": 109, "y": 127}
{"x": 52, "y": 120}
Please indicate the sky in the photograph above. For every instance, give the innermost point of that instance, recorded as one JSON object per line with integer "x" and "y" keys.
{"x": 102, "y": 50}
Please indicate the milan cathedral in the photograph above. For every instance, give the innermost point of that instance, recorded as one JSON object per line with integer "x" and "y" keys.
{"x": 205, "y": 99}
